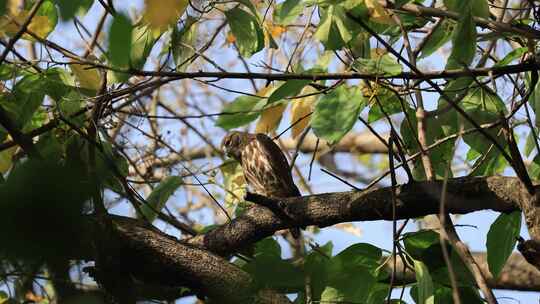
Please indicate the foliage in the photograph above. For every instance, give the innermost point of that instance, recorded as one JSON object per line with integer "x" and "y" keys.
{"x": 120, "y": 105}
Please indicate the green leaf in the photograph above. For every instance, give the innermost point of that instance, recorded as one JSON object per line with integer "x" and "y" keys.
{"x": 143, "y": 42}
{"x": 288, "y": 89}
{"x": 440, "y": 36}
{"x": 492, "y": 163}
{"x": 47, "y": 9}
{"x": 288, "y": 11}
{"x": 530, "y": 144}
{"x": 68, "y": 8}
{"x": 120, "y": 39}
{"x": 336, "y": 113}
{"x": 417, "y": 242}
{"x": 159, "y": 196}
{"x": 385, "y": 65}
{"x": 28, "y": 94}
{"x": 361, "y": 254}
{"x": 485, "y": 107}
{"x": 3, "y": 7}
{"x": 271, "y": 271}
{"x": 70, "y": 104}
{"x": 511, "y": 56}
{"x": 268, "y": 246}
{"x": 333, "y": 30}
{"x": 440, "y": 156}
{"x": 317, "y": 266}
{"x": 349, "y": 285}
{"x": 389, "y": 101}
{"x": 534, "y": 168}
{"x": 501, "y": 240}
{"x": 425, "y": 283}
{"x": 247, "y": 30}
{"x": 480, "y": 8}
{"x": 182, "y": 43}
{"x": 463, "y": 43}
{"x": 241, "y": 111}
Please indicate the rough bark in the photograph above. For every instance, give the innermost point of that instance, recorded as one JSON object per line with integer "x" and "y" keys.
{"x": 150, "y": 256}
{"x": 465, "y": 195}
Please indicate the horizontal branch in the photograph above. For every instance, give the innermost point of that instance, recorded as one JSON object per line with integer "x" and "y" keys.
{"x": 496, "y": 26}
{"x": 155, "y": 258}
{"x": 425, "y": 75}
{"x": 133, "y": 249}
{"x": 417, "y": 199}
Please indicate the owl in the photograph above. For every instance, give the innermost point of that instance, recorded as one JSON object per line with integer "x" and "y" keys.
{"x": 265, "y": 167}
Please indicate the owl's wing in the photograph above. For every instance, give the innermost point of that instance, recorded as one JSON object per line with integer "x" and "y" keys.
{"x": 279, "y": 164}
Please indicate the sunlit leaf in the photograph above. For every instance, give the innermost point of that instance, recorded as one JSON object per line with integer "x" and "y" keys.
{"x": 270, "y": 118}
{"x": 87, "y": 76}
{"x": 182, "y": 43}
{"x": 142, "y": 42}
{"x": 336, "y": 112}
{"x": 332, "y": 31}
{"x": 241, "y": 111}
{"x": 501, "y": 239}
{"x": 511, "y": 56}
{"x": 289, "y": 89}
{"x": 384, "y": 65}
{"x": 463, "y": 42}
{"x": 234, "y": 184}
{"x": 382, "y": 102}
{"x": 300, "y": 111}
{"x": 6, "y": 159}
{"x": 42, "y": 23}
{"x": 378, "y": 14}
{"x": 120, "y": 40}
{"x": 485, "y": 107}
{"x": 288, "y": 11}
{"x": 160, "y": 14}
{"x": 440, "y": 36}
{"x": 247, "y": 31}
{"x": 425, "y": 284}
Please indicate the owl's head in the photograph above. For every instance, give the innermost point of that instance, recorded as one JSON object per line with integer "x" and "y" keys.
{"x": 233, "y": 143}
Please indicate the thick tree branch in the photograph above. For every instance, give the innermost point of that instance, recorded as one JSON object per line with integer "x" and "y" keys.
{"x": 146, "y": 254}
{"x": 135, "y": 251}
{"x": 465, "y": 195}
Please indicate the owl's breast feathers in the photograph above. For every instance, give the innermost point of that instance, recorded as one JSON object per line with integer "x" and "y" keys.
{"x": 266, "y": 168}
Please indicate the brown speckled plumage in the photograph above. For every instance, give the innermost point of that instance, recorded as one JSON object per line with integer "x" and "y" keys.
{"x": 265, "y": 167}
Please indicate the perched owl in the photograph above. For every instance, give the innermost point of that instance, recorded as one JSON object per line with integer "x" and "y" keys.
{"x": 265, "y": 167}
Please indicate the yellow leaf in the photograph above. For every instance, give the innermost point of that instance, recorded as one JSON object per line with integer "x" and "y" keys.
{"x": 234, "y": 182}
{"x": 162, "y": 13}
{"x": 6, "y": 159}
{"x": 40, "y": 25}
{"x": 300, "y": 110}
{"x": 270, "y": 118}
{"x": 377, "y": 13}
{"x": 87, "y": 76}
{"x": 377, "y": 52}
{"x": 275, "y": 30}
